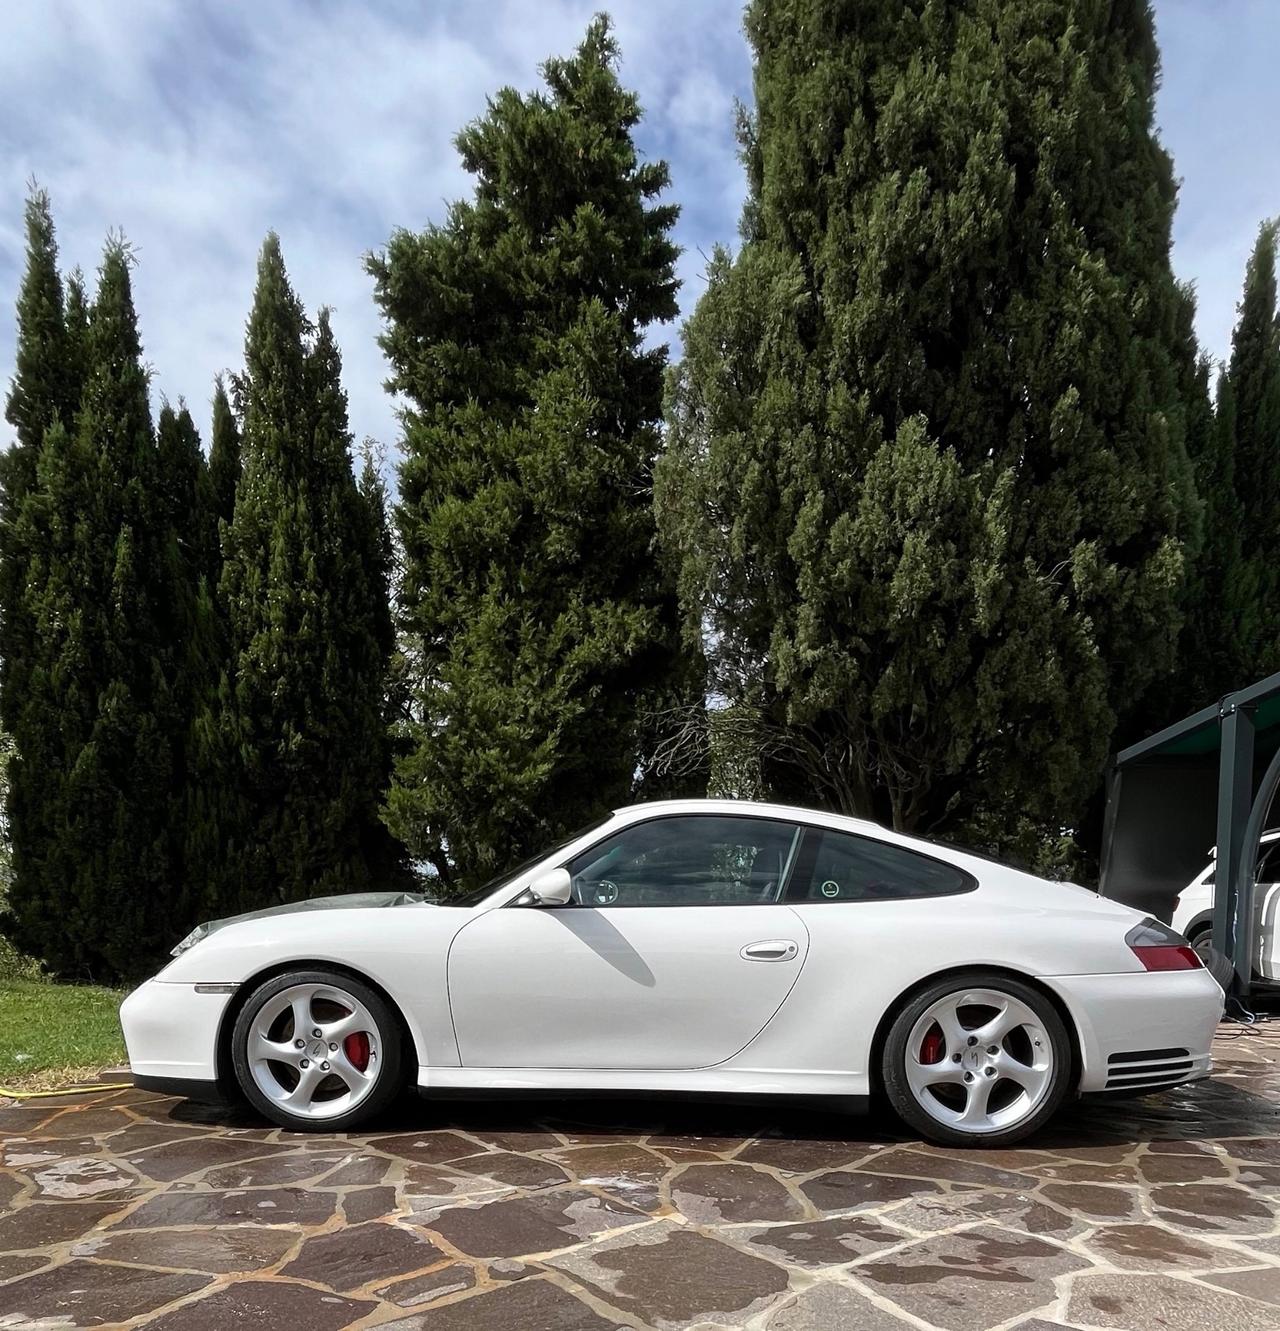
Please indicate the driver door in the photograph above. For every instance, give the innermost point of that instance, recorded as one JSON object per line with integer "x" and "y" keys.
{"x": 673, "y": 952}
{"x": 1266, "y": 908}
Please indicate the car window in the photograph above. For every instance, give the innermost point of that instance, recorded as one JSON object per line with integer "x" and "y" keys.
{"x": 687, "y": 861}
{"x": 1266, "y": 868}
{"x": 1268, "y": 863}
{"x": 845, "y": 867}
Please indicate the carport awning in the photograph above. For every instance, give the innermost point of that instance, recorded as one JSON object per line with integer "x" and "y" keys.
{"x": 1201, "y": 733}
{"x": 1175, "y": 795}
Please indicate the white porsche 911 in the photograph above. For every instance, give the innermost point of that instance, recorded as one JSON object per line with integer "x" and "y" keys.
{"x": 695, "y": 946}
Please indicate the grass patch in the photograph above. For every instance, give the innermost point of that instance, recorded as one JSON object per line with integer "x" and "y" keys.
{"x": 48, "y": 1028}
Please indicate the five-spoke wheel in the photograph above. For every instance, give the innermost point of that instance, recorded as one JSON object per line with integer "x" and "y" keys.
{"x": 977, "y": 1057}
{"x": 317, "y": 1050}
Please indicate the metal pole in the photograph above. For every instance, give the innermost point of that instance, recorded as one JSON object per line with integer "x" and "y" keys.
{"x": 1233, "y": 881}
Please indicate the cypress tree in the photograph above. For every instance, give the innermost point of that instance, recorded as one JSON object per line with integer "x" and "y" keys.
{"x": 44, "y": 393}
{"x": 302, "y": 705}
{"x": 215, "y": 808}
{"x": 224, "y": 455}
{"x": 186, "y": 495}
{"x": 533, "y": 610}
{"x": 93, "y": 891}
{"x": 1219, "y": 651}
{"x": 1231, "y": 636}
{"x": 926, "y": 476}
{"x": 1249, "y": 437}
{"x": 44, "y": 387}
{"x": 77, "y": 344}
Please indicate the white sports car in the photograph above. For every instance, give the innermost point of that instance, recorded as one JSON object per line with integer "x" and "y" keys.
{"x": 692, "y": 946}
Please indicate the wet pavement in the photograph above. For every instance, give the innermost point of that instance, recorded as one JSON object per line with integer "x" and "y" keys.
{"x": 123, "y": 1208}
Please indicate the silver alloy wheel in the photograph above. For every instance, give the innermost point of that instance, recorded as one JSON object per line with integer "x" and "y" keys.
{"x": 979, "y": 1061}
{"x": 314, "y": 1050}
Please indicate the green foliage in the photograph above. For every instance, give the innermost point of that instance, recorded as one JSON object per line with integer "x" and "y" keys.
{"x": 295, "y": 755}
{"x": 95, "y": 719}
{"x": 1254, "y": 376}
{"x": 1231, "y": 638}
{"x": 44, "y": 392}
{"x": 926, "y": 478}
{"x": 536, "y": 621}
{"x": 224, "y": 456}
{"x": 13, "y": 964}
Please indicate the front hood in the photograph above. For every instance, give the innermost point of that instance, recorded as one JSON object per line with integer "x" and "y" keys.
{"x": 347, "y": 901}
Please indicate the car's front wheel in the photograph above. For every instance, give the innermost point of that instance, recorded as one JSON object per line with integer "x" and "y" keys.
{"x": 317, "y": 1050}
{"x": 978, "y": 1059}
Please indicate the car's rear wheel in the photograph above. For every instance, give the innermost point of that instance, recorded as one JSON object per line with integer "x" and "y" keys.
{"x": 317, "y": 1051}
{"x": 977, "y": 1059}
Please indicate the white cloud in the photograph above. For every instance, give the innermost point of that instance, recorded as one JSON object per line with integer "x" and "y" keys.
{"x": 195, "y": 128}
{"x": 1218, "y": 110}
{"x": 196, "y": 125}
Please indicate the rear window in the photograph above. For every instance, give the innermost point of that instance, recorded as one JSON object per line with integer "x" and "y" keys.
{"x": 839, "y": 866}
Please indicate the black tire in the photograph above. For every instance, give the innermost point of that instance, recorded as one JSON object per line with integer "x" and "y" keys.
{"x": 388, "y": 1074}
{"x": 1201, "y": 938}
{"x": 893, "y": 1060}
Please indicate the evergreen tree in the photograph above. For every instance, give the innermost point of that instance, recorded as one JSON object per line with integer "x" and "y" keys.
{"x": 44, "y": 393}
{"x": 1249, "y": 433}
{"x": 77, "y": 344}
{"x": 378, "y": 553}
{"x": 532, "y": 607}
{"x": 186, "y": 495}
{"x": 92, "y": 894}
{"x": 926, "y": 478}
{"x": 224, "y": 456}
{"x": 1220, "y": 641}
{"x": 302, "y": 746}
{"x": 215, "y": 807}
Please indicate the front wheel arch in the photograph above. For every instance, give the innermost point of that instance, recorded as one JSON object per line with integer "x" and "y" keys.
{"x": 226, "y": 1072}
{"x": 888, "y": 1016}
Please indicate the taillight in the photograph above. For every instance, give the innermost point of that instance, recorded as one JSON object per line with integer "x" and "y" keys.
{"x": 1160, "y": 948}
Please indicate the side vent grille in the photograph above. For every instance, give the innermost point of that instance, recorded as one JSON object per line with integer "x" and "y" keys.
{"x": 1148, "y": 1069}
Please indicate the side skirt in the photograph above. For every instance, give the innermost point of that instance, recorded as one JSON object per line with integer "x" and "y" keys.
{"x": 646, "y": 1081}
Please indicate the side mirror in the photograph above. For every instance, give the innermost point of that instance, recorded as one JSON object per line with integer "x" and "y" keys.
{"x": 553, "y": 888}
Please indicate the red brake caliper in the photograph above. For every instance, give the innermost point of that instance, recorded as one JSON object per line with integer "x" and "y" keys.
{"x": 932, "y": 1046}
{"x": 356, "y": 1048}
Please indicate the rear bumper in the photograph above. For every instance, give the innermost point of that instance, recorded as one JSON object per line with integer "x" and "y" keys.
{"x": 1142, "y": 1029}
{"x": 171, "y": 1033}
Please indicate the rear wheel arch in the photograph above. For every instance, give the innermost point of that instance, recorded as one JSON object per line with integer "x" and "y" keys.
{"x": 226, "y": 1072}
{"x": 889, "y": 1015}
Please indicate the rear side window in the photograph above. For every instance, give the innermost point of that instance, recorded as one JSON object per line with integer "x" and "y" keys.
{"x": 838, "y": 866}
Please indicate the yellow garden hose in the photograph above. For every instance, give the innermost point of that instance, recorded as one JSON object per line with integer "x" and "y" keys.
{"x": 7, "y": 1094}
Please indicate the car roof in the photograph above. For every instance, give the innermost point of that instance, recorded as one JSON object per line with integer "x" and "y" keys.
{"x": 751, "y": 808}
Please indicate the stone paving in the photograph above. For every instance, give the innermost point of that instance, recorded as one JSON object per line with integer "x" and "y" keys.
{"x": 124, "y": 1208}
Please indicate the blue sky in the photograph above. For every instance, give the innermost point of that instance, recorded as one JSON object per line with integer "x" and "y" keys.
{"x": 196, "y": 125}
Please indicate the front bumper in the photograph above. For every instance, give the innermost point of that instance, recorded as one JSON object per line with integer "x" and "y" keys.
{"x": 1142, "y": 1029}
{"x": 171, "y": 1032}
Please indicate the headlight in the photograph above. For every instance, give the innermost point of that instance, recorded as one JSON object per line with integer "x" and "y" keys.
{"x": 199, "y": 932}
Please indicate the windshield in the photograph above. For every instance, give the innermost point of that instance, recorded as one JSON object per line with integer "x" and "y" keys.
{"x": 478, "y": 894}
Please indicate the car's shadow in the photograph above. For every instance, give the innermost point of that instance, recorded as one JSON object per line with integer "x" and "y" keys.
{"x": 1217, "y": 1108}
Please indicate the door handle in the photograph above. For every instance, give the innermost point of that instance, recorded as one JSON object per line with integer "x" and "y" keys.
{"x": 774, "y": 949}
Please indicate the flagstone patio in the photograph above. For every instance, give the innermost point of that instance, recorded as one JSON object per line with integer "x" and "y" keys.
{"x": 124, "y": 1208}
